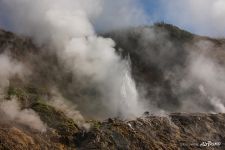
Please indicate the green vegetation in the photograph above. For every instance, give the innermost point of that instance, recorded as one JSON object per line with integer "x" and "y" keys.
{"x": 35, "y": 98}
{"x": 27, "y": 95}
{"x": 95, "y": 124}
{"x": 55, "y": 119}
{"x": 65, "y": 127}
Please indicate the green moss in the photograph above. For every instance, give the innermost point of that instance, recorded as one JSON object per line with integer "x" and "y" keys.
{"x": 33, "y": 97}
{"x": 96, "y": 124}
{"x": 55, "y": 119}
{"x": 19, "y": 93}
{"x": 27, "y": 95}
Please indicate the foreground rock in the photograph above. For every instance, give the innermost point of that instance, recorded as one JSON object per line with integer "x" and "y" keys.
{"x": 177, "y": 131}
{"x": 184, "y": 131}
{"x": 23, "y": 139}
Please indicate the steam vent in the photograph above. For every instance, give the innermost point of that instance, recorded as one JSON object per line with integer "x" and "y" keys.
{"x": 99, "y": 75}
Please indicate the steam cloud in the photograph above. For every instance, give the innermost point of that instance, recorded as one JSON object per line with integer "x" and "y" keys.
{"x": 70, "y": 110}
{"x": 11, "y": 111}
{"x": 191, "y": 74}
{"x": 67, "y": 26}
{"x": 10, "y": 68}
{"x": 205, "y": 73}
{"x": 119, "y": 14}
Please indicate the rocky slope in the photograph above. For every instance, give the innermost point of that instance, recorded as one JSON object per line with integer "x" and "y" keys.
{"x": 153, "y": 58}
{"x": 184, "y": 131}
{"x": 177, "y": 131}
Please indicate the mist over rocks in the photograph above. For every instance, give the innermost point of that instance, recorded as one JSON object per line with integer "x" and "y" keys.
{"x": 59, "y": 98}
{"x": 163, "y": 55}
{"x": 66, "y": 26}
{"x": 173, "y": 65}
{"x": 74, "y": 76}
{"x": 165, "y": 82}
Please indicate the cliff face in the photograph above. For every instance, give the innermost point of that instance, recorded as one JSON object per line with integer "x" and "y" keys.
{"x": 156, "y": 62}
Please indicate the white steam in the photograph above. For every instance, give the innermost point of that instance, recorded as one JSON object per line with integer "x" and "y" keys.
{"x": 193, "y": 74}
{"x": 11, "y": 111}
{"x": 10, "y": 68}
{"x": 104, "y": 14}
{"x": 117, "y": 14}
{"x": 210, "y": 77}
{"x": 66, "y": 25}
{"x": 69, "y": 109}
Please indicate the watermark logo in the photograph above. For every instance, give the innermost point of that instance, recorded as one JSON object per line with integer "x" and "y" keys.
{"x": 202, "y": 144}
{"x": 210, "y": 144}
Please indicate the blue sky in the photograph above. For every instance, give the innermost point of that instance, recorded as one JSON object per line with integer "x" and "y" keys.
{"x": 154, "y": 10}
{"x": 204, "y": 17}
{"x": 157, "y": 13}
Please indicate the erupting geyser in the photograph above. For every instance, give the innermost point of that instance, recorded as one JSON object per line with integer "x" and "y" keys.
{"x": 66, "y": 26}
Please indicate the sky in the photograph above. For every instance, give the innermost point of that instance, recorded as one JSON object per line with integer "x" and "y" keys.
{"x": 204, "y": 17}
{"x": 152, "y": 8}
{"x": 156, "y": 11}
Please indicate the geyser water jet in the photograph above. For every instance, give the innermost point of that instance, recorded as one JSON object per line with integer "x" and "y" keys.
{"x": 66, "y": 26}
